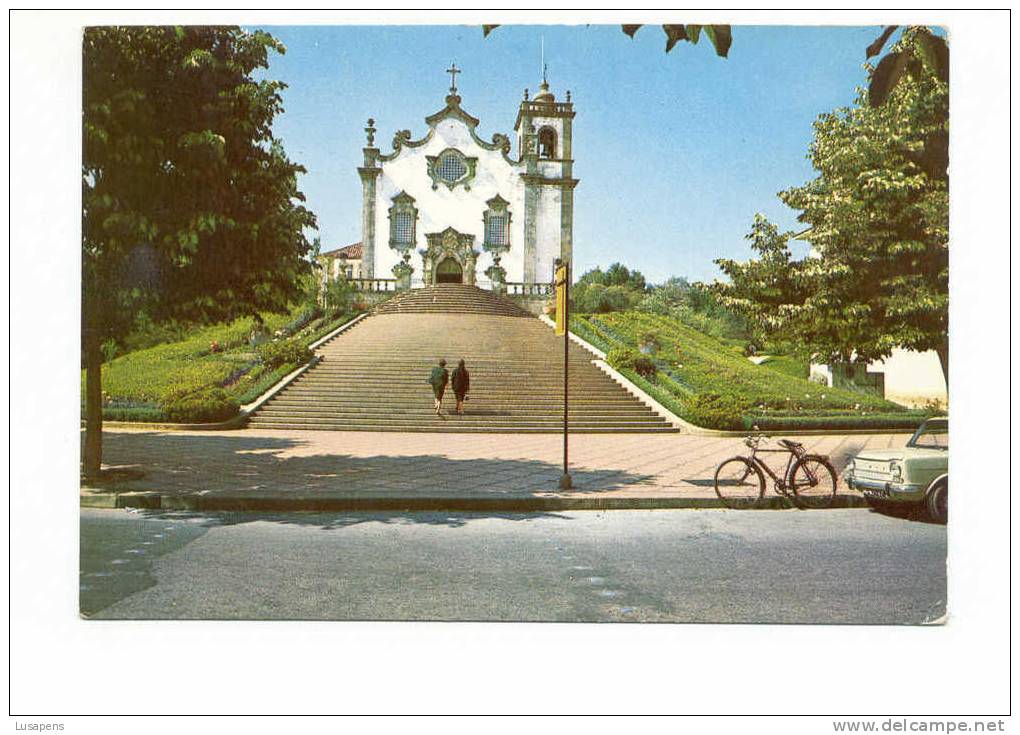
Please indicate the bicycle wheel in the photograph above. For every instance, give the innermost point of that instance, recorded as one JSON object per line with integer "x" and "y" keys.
{"x": 813, "y": 481}
{"x": 739, "y": 484}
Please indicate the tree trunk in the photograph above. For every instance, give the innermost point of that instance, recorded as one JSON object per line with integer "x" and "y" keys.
{"x": 93, "y": 404}
{"x": 943, "y": 353}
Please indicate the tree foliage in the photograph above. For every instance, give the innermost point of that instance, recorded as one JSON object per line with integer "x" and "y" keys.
{"x": 616, "y": 289}
{"x": 878, "y": 275}
{"x": 720, "y": 36}
{"x": 695, "y": 306}
{"x": 190, "y": 207}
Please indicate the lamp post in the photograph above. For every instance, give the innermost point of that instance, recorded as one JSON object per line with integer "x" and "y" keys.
{"x": 563, "y": 327}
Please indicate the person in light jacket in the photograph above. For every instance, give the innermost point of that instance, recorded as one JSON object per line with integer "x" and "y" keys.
{"x": 461, "y": 384}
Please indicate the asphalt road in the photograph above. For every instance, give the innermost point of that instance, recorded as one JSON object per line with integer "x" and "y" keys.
{"x": 837, "y": 566}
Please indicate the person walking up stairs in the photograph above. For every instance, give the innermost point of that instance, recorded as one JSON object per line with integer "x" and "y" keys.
{"x": 369, "y": 377}
{"x": 439, "y": 377}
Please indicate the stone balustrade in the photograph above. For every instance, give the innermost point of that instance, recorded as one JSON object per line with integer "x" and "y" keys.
{"x": 373, "y": 284}
{"x": 516, "y": 288}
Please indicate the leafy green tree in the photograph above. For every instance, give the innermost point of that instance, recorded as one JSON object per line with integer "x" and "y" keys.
{"x": 920, "y": 53}
{"x": 879, "y": 216}
{"x": 720, "y": 36}
{"x": 616, "y": 289}
{"x": 771, "y": 291}
{"x": 879, "y": 227}
{"x": 191, "y": 211}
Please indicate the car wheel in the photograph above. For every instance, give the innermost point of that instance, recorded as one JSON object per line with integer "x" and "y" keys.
{"x": 938, "y": 502}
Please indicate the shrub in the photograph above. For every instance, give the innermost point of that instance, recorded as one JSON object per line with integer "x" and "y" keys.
{"x": 714, "y": 411}
{"x": 132, "y": 413}
{"x": 284, "y": 352}
{"x": 648, "y": 342}
{"x": 624, "y": 358}
{"x": 205, "y": 405}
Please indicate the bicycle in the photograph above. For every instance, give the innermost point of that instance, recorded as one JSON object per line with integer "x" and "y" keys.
{"x": 809, "y": 480}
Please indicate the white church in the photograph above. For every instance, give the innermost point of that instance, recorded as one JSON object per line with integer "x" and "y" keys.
{"x": 450, "y": 207}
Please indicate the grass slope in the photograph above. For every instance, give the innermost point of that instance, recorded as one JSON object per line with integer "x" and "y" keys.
{"x": 136, "y": 384}
{"x": 711, "y": 384}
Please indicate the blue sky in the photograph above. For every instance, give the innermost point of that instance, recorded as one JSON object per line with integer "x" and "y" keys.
{"x": 675, "y": 152}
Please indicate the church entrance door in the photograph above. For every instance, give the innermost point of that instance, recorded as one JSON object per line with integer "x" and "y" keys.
{"x": 450, "y": 258}
{"x": 449, "y": 271}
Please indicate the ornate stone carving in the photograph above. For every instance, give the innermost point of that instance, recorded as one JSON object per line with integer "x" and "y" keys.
{"x": 438, "y": 174}
{"x": 400, "y": 138}
{"x": 497, "y": 240}
{"x": 450, "y": 244}
{"x": 502, "y": 142}
{"x": 403, "y": 216}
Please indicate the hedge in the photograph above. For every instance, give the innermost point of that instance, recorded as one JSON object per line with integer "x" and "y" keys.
{"x": 907, "y": 422}
{"x": 206, "y": 405}
{"x": 284, "y": 352}
{"x": 133, "y": 413}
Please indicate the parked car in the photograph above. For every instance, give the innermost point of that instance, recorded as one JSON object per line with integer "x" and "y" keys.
{"x": 917, "y": 473}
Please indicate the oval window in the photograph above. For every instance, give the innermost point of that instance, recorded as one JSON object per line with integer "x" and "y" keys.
{"x": 451, "y": 167}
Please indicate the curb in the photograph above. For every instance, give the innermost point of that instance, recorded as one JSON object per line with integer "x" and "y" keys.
{"x": 531, "y": 504}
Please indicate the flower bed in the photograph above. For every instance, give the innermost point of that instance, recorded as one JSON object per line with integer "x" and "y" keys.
{"x": 709, "y": 383}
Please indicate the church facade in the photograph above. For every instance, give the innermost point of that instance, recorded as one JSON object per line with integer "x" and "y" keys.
{"x": 450, "y": 207}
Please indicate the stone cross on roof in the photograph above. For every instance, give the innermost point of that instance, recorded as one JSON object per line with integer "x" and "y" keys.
{"x": 453, "y": 71}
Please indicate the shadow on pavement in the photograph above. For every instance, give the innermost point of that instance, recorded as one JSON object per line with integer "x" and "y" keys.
{"x": 260, "y": 466}
{"x": 341, "y": 520}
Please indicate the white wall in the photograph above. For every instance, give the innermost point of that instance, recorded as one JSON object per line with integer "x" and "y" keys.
{"x": 548, "y": 235}
{"x": 912, "y": 378}
{"x": 441, "y": 208}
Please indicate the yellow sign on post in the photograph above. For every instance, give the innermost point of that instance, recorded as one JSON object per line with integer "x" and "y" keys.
{"x": 561, "y": 299}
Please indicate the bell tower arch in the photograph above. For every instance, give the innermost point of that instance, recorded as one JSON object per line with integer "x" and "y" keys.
{"x": 544, "y": 130}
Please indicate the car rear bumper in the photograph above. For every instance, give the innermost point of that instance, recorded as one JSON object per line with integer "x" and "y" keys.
{"x": 886, "y": 490}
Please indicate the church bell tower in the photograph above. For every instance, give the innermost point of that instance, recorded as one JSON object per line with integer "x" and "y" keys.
{"x": 545, "y": 145}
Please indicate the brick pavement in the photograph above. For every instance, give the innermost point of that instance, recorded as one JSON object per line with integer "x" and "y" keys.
{"x": 309, "y": 469}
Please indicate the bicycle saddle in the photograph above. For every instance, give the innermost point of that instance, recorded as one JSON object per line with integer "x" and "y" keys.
{"x": 790, "y": 444}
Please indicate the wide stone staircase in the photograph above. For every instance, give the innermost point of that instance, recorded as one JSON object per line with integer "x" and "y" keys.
{"x": 373, "y": 377}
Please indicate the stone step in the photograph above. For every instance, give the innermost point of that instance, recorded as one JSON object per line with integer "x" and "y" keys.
{"x": 472, "y": 409}
{"x": 454, "y": 423}
{"x": 493, "y": 383}
{"x": 446, "y": 429}
{"x": 373, "y": 376}
{"x": 311, "y": 389}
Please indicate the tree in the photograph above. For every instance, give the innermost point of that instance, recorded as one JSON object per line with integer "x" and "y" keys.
{"x": 879, "y": 227}
{"x": 771, "y": 292}
{"x": 720, "y": 36}
{"x": 191, "y": 211}
{"x": 616, "y": 289}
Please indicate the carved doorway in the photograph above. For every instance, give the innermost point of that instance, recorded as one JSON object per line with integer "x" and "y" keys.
{"x": 450, "y": 257}
{"x": 449, "y": 271}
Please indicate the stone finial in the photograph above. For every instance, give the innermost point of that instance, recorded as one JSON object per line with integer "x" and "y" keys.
{"x": 525, "y": 94}
{"x": 568, "y": 95}
{"x": 370, "y": 133}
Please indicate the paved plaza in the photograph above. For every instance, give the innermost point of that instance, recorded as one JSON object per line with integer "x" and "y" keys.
{"x": 295, "y": 466}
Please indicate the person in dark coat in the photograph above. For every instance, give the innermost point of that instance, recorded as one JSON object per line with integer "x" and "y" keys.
{"x": 438, "y": 379}
{"x": 461, "y": 384}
